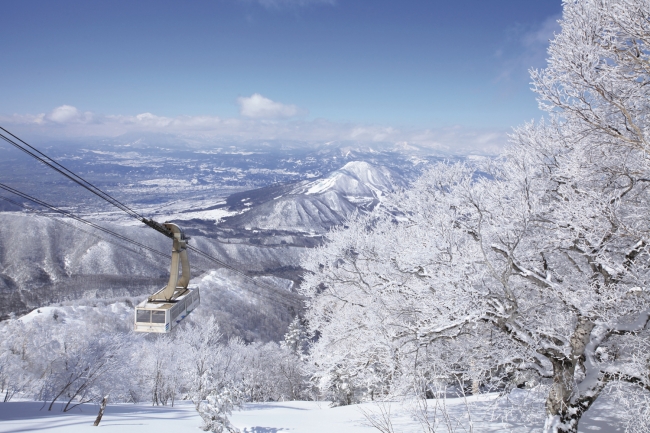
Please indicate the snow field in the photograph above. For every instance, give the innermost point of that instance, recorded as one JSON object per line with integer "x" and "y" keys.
{"x": 29, "y": 416}
{"x": 291, "y": 416}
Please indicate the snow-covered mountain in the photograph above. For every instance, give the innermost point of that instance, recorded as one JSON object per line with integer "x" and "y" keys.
{"x": 313, "y": 207}
{"x": 44, "y": 260}
{"x": 357, "y": 179}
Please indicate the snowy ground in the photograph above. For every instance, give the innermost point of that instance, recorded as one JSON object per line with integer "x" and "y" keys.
{"x": 318, "y": 417}
{"x": 18, "y": 417}
{"x": 295, "y": 417}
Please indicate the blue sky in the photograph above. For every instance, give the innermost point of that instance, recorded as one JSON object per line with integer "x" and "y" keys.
{"x": 268, "y": 64}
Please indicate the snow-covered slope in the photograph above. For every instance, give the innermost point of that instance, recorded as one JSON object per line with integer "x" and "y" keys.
{"x": 314, "y": 207}
{"x": 49, "y": 260}
{"x": 26, "y": 416}
{"x": 254, "y": 309}
{"x": 45, "y": 260}
{"x": 357, "y": 179}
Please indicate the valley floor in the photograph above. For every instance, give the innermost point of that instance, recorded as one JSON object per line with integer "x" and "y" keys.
{"x": 295, "y": 417}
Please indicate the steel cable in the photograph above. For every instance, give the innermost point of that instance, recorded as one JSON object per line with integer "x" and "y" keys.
{"x": 77, "y": 218}
{"x": 40, "y": 156}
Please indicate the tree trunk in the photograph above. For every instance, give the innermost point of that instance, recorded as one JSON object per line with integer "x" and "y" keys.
{"x": 59, "y": 395}
{"x": 564, "y": 404}
{"x": 101, "y": 411}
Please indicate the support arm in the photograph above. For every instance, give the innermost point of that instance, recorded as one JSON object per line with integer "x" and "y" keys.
{"x": 179, "y": 258}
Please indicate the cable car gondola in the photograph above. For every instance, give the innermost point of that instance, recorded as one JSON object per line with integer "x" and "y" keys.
{"x": 166, "y": 308}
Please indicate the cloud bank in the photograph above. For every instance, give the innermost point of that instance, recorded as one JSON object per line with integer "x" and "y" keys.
{"x": 261, "y": 119}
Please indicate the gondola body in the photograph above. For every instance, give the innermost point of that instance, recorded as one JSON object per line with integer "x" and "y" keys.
{"x": 161, "y": 316}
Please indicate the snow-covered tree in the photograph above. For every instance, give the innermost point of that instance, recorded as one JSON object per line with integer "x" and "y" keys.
{"x": 16, "y": 368}
{"x": 215, "y": 411}
{"x": 49, "y": 357}
{"x": 77, "y": 354}
{"x": 202, "y": 351}
{"x": 511, "y": 272}
{"x": 159, "y": 360}
{"x": 297, "y": 337}
{"x": 595, "y": 158}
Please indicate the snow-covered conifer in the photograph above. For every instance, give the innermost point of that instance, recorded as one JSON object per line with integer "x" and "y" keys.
{"x": 297, "y": 337}
{"x": 215, "y": 411}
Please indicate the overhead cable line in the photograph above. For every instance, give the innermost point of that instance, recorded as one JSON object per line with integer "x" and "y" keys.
{"x": 82, "y": 220}
{"x": 56, "y": 166}
{"x": 60, "y": 221}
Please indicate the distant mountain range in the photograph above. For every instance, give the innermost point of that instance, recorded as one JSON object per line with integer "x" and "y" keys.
{"x": 157, "y": 173}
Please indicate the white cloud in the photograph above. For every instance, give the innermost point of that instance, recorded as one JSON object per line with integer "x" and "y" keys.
{"x": 70, "y": 123}
{"x": 257, "y": 106}
{"x": 63, "y": 114}
{"x": 66, "y": 114}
